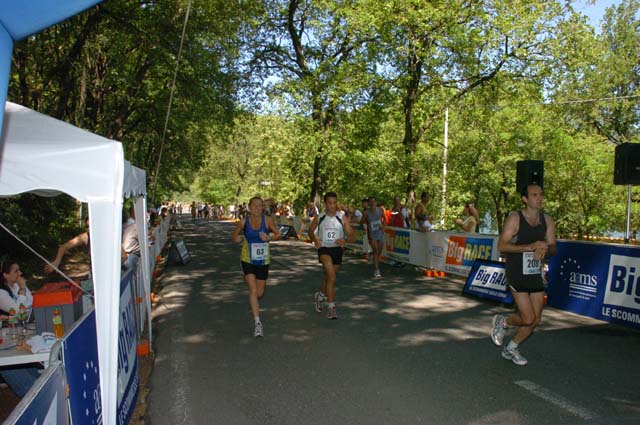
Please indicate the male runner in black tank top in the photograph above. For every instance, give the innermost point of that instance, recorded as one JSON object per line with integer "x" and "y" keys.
{"x": 527, "y": 237}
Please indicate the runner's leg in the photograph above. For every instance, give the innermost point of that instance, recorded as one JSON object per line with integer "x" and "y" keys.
{"x": 329, "y": 277}
{"x": 253, "y": 294}
{"x": 529, "y": 314}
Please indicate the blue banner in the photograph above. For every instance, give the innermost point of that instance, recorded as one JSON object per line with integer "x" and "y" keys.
{"x": 128, "y": 379}
{"x": 601, "y": 281}
{"x": 45, "y": 403}
{"x": 487, "y": 280}
{"x": 80, "y": 352}
{"x": 80, "y": 356}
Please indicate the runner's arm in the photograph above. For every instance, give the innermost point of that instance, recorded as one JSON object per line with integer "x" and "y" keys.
{"x": 235, "y": 236}
{"x": 275, "y": 234}
{"x": 351, "y": 238}
{"x": 81, "y": 239}
{"x": 312, "y": 232}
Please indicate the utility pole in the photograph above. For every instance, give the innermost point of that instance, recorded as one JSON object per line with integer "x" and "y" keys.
{"x": 444, "y": 167}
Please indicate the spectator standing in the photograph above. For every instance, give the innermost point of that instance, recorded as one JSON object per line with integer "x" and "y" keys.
{"x": 423, "y": 219}
{"x": 81, "y": 240}
{"x": 470, "y": 223}
{"x": 399, "y": 215}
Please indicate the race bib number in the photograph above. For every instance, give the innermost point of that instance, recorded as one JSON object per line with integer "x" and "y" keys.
{"x": 330, "y": 235}
{"x": 529, "y": 264}
{"x": 375, "y": 225}
{"x": 259, "y": 251}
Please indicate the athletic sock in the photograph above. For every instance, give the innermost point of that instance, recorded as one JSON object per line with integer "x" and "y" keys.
{"x": 512, "y": 345}
{"x": 257, "y": 319}
{"x": 331, "y": 305}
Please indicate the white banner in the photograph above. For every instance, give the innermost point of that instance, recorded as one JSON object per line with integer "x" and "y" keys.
{"x": 455, "y": 253}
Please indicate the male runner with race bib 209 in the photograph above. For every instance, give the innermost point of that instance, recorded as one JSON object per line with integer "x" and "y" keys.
{"x": 527, "y": 238}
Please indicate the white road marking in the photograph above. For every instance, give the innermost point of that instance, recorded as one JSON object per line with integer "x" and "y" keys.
{"x": 555, "y": 399}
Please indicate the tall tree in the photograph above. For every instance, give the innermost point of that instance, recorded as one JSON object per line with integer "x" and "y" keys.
{"x": 435, "y": 53}
{"x": 317, "y": 57}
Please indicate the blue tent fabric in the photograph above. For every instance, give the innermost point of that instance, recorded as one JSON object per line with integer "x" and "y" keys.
{"x": 20, "y": 18}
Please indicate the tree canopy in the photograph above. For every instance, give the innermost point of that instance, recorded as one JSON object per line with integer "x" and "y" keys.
{"x": 290, "y": 98}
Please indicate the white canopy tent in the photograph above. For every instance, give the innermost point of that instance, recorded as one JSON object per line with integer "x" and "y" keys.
{"x": 43, "y": 155}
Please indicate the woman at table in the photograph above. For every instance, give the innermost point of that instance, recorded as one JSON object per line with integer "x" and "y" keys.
{"x": 13, "y": 288}
{"x": 258, "y": 230}
{"x": 13, "y": 292}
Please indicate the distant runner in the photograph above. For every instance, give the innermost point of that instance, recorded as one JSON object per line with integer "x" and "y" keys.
{"x": 332, "y": 234}
{"x": 373, "y": 221}
{"x": 527, "y": 237}
{"x": 258, "y": 230}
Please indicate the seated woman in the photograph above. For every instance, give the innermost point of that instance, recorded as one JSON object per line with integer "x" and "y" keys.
{"x": 13, "y": 288}
{"x": 13, "y": 292}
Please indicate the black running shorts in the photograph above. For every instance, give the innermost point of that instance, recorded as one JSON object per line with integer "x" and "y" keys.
{"x": 334, "y": 252}
{"x": 261, "y": 272}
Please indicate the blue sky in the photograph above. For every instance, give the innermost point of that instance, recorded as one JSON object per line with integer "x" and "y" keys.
{"x": 594, "y": 11}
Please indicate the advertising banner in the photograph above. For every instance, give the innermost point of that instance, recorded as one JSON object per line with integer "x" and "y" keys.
{"x": 128, "y": 378}
{"x": 405, "y": 245}
{"x": 80, "y": 356}
{"x": 397, "y": 244}
{"x": 362, "y": 243}
{"x": 455, "y": 252}
{"x": 487, "y": 280}
{"x": 601, "y": 281}
{"x": 45, "y": 403}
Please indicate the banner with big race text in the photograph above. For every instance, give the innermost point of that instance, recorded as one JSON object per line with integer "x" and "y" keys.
{"x": 406, "y": 246}
{"x": 487, "y": 279}
{"x": 361, "y": 243}
{"x": 601, "y": 281}
{"x": 455, "y": 253}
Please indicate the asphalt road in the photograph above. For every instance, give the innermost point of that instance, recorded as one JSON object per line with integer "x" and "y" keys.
{"x": 405, "y": 350}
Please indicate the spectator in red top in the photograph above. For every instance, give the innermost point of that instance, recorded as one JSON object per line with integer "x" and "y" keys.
{"x": 399, "y": 215}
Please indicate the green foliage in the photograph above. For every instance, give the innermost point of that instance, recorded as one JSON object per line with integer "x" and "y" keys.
{"x": 40, "y": 222}
{"x": 290, "y": 98}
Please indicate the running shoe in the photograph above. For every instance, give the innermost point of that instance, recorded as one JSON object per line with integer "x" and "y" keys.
{"x": 257, "y": 332}
{"x": 318, "y": 300}
{"x": 498, "y": 330}
{"x": 332, "y": 315}
{"x": 377, "y": 273}
{"x": 513, "y": 355}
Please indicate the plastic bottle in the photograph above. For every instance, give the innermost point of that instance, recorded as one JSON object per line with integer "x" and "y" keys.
{"x": 22, "y": 317}
{"x": 12, "y": 324}
{"x": 58, "y": 329}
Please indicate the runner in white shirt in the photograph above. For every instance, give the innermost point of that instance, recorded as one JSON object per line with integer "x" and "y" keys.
{"x": 329, "y": 232}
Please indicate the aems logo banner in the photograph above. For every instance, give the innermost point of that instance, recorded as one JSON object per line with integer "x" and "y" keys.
{"x": 596, "y": 280}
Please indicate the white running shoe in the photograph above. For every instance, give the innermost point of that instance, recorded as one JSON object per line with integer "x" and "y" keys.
{"x": 377, "y": 273}
{"x": 498, "y": 330}
{"x": 332, "y": 314}
{"x": 513, "y": 355}
{"x": 257, "y": 332}
{"x": 318, "y": 300}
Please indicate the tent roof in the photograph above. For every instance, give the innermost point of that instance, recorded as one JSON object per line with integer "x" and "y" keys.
{"x": 21, "y": 18}
{"x": 44, "y": 155}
